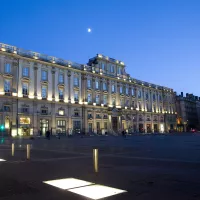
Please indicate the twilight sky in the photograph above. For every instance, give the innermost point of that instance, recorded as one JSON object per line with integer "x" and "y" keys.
{"x": 159, "y": 40}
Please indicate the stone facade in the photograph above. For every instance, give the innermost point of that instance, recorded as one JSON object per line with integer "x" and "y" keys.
{"x": 40, "y": 92}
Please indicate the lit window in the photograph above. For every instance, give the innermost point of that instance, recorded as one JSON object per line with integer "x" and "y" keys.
{"x": 25, "y": 88}
{"x": 7, "y": 85}
{"x": 44, "y": 75}
{"x": 61, "y": 112}
{"x": 25, "y": 72}
{"x": 61, "y": 78}
{"x": 97, "y": 98}
{"x": 7, "y": 68}
{"x": 44, "y": 91}
{"x": 89, "y": 97}
{"x": 60, "y": 90}
{"x": 105, "y": 99}
{"x": 76, "y": 96}
{"x": 89, "y": 83}
{"x": 113, "y": 88}
{"x": 76, "y": 81}
{"x": 97, "y": 84}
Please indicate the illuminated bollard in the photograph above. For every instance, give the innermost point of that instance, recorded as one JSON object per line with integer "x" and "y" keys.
{"x": 28, "y": 151}
{"x": 13, "y": 149}
{"x": 95, "y": 159}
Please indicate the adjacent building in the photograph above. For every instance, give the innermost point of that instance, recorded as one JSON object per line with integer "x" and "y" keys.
{"x": 40, "y": 93}
{"x": 188, "y": 112}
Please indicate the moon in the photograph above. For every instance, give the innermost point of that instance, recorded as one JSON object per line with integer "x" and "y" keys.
{"x": 89, "y": 30}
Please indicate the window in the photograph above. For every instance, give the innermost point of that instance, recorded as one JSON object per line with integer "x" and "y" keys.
{"x": 105, "y": 125}
{"x": 120, "y": 89}
{"x": 44, "y": 111}
{"x": 44, "y": 91}
{"x": 60, "y": 90}
{"x": 112, "y": 70}
{"x": 6, "y": 85}
{"x": 104, "y": 86}
{"x": 61, "y": 112}
{"x": 97, "y": 99}
{"x": 132, "y": 92}
{"x": 44, "y": 75}
{"x": 104, "y": 99}
{"x": 103, "y": 66}
{"x": 6, "y": 108}
{"x": 160, "y": 98}
{"x": 120, "y": 70}
{"x": 76, "y": 81}
{"x": 25, "y": 88}
{"x": 139, "y": 94}
{"x": 89, "y": 98}
{"x": 147, "y": 96}
{"x": 76, "y": 126}
{"x": 25, "y": 72}
{"x": 89, "y": 116}
{"x": 61, "y": 126}
{"x": 61, "y": 78}
{"x": 7, "y": 68}
{"x": 97, "y": 84}
{"x": 126, "y": 90}
{"x": 89, "y": 83}
{"x": 127, "y": 103}
{"x": 25, "y": 109}
{"x": 98, "y": 116}
{"x": 113, "y": 88}
{"x": 76, "y": 96}
{"x": 122, "y": 102}
{"x": 154, "y": 97}
{"x": 76, "y": 113}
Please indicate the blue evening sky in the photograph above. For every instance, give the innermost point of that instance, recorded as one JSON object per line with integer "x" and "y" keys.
{"x": 159, "y": 40}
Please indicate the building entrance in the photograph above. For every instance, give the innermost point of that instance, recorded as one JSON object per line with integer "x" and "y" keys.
{"x": 114, "y": 123}
{"x": 44, "y": 126}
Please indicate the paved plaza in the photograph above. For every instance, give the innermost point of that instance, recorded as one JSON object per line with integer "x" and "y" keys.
{"x": 140, "y": 167}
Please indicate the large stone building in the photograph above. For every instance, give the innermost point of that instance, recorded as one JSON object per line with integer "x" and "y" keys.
{"x": 188, "y": 112}
{"x": 40, "y": 92}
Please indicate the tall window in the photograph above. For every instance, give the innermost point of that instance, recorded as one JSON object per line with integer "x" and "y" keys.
{"x": 61, "y": 78}
{"x": 76, "y": 81}
{"x": 113, "y": 101}
{"x": 127, "y": 103}
{"x": 44, "y": 91}
{"x": 104, "y": 99}
{"x": 112, "y": 70}
{"x": 113, "y": 88}
{"x": 89, "y": 83}
{"x": 97, "y": 84}
{"x": 89, "y": 98}
{"x": 126, "y": 90}
{"x": 61, "y": 91}
{"x": 25, "y": 88}
{"x": 97, "y": 99}
{"x": 76, "y": 96}
{"x": 7, "y": 68}
{"x": 6, "y": 85}
{"x": 147, "y": 96}
{"x": 25, "y": 71}
{"x": 104, "y": 86}
{"x": 103, "y": 66}
{"x": 121, "y": 89}
{"x": 154, "y": 97}
{"x": 139, "y": 94}
{"x": 44, "y": 75}
{"x": 120, "y": 70}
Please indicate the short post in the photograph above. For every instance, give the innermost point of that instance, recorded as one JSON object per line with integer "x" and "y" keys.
{"x": 95, "y": 160}
{"x": 28, "y": 151}
{"x": 13, "y": 149}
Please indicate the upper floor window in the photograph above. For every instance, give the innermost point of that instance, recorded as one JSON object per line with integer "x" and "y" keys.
{"x": 44, "y": 111}
{"x": 44, "y": 91}
{"x": 127, "y": 102}
{"x": 89, "y": 83}
{"x": 25, "y": 88}
{"x": 105, "y": 99}
{"x": 97, "y": 98}
{"x": 6, "y": 85}
{"x": 89, "y": 98}
{"x": 112, "y": 69}
{"x": 25, "y": 71}
{"x": 76, "y": 113}
{"x": 121, "y": 89}
{"x": 126, "y": 90}
{"x": 113, "y": 88}
{"x": 147, "y": 96}
{"x": 61, "y": 78}
{"x": 132, "y": 92}
{"x": 103, "y": 66}
{"x": 44, "y": 75}
{"x": 160, "y": 98}
{"x": 76, "y": 96}
{"x": 120, "y": 70}
{"x": 25, "y": 109}
{"x": 154, "y": 97}
{"x": 76, "y": 81}
{"x": 61, "y": 91}
{"x": 139, "y": 94}
{"x": 97, "y": 84}
{"x": 104, "y": 86}
{"x": 7, "y": 68}
{"x": 113, "y": 101}
{"x": 6, "y": 108}
{"x": 61, "y": 112}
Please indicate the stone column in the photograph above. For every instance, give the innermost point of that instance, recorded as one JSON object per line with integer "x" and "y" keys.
{"x": 53, "y": 118}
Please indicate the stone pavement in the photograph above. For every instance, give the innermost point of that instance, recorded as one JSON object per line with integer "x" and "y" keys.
{"x": 147, "y": 167}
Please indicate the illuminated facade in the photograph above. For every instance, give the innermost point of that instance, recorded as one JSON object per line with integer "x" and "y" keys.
{"x": 40, "y": 92}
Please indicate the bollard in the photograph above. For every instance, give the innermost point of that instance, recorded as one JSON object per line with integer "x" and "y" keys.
{"x": 28, "y": 151}
{"x": 95, "y": 160}
{"x": 13, "y": 149}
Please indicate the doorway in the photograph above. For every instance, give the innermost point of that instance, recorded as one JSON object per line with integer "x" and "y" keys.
{"x": 44, "y": 126}
{"x": 114, "y": 123}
